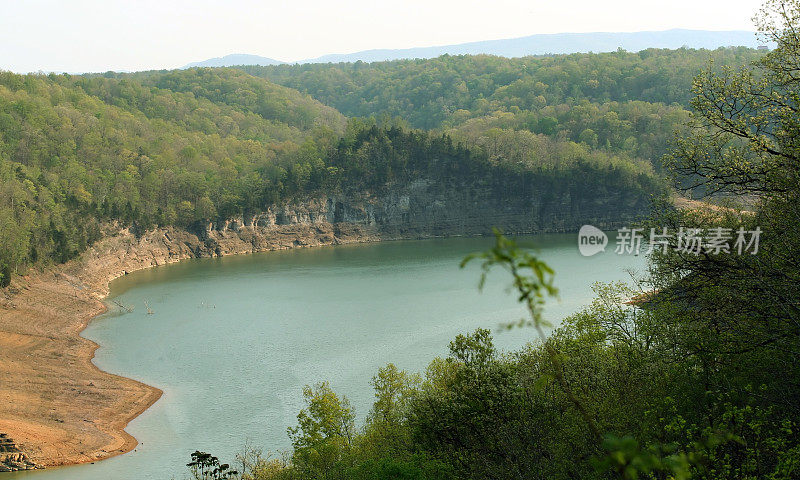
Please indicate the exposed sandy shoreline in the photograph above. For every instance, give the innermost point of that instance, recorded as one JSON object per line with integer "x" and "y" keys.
{"x": 59, "y": 407}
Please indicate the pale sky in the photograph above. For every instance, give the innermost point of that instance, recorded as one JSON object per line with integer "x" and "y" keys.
{"x": 101, "y": 35}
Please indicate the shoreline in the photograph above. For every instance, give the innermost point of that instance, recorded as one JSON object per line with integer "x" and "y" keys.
{"x": 60, "y": 407}
{"x": 40, "y": 417}
{"x": 156, "y": 393}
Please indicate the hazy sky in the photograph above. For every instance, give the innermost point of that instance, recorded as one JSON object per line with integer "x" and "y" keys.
{"x": 95, "y": 35}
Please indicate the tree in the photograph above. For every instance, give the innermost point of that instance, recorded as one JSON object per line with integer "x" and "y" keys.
{"x": 205, "y": 466}
{"x": 746, "y": 140}
{"x": 745, "y": 122}
{"x": 324, "y": 431}
{"x": 732, "y": 320}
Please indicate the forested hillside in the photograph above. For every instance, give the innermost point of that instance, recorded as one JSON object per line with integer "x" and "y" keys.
{"x": 692, "y": 372}
{"x": 620, "y": 101}
{"x": 449, "y": 89}
{"x": 195, "y": 146}
{"x": 75, "y": 151}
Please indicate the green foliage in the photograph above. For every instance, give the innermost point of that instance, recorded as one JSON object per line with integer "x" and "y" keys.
{"x": 731, "y": 320}
{"x": 620, "y": 103}
{"x": 418, "y": 467}
{"x": 324, "y": 434}
{"x": 5, "y": 275}
{"x": 628, "y": 460}
{"x": 532, "y": 278}
{"x": 384, "y": 432}
{"x": 197, "y": 147}
{"x": 76, "y": 152}
{"x": 205, "y": 466}
{"x": 449, "y": 89}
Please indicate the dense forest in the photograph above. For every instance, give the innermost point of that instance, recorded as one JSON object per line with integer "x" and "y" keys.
{"x": 78, "y": 151}
{"x": 197, "y": 146}
{"x": 448, "y": 90}
{"x": 697, "y": 378}
{"x": 192, "y": 147}
{"x": 621, "y": 101}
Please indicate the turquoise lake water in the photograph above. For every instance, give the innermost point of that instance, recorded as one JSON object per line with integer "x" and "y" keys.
{"x": 232, "y": 341}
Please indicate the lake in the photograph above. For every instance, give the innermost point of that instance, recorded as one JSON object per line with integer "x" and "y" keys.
{"x": 232, "y": 341}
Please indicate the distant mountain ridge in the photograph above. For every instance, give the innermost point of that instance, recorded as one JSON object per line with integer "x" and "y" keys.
{"x": 235, "y": 59}
{"x": 561, "y": 43}
{"x": 540, "y": 44}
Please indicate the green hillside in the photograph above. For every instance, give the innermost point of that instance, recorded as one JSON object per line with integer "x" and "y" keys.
{"x": 75, "y": 151}
{"x": 620, "y": 101}
{"x": 194, "y": 146}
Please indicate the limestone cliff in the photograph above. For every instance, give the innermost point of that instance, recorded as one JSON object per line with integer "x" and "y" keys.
{"x": 419, "y": 209}
{"x": 424, "y": 208}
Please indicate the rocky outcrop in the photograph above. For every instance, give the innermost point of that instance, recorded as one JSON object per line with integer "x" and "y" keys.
{"x": 123, "y": 252}
{"x": 12, "y": 458}
{"x": 424, "y": 208}
{"x": 420, "y": 209}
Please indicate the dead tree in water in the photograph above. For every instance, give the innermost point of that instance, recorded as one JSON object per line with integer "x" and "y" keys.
{"x": 127, "y": 308}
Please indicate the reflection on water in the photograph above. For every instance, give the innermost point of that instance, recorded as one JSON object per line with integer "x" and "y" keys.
{"x": 232, "y": 341}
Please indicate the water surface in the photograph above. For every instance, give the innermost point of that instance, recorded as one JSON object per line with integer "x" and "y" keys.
{"x": 232, "y": 341}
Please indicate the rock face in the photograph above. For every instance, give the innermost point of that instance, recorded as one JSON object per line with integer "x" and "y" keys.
{"x": 11, "y": 457}
{"x": 123, "y": 252}
{"x": 424, "y": 208}
{"x": 420, "y": 209}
